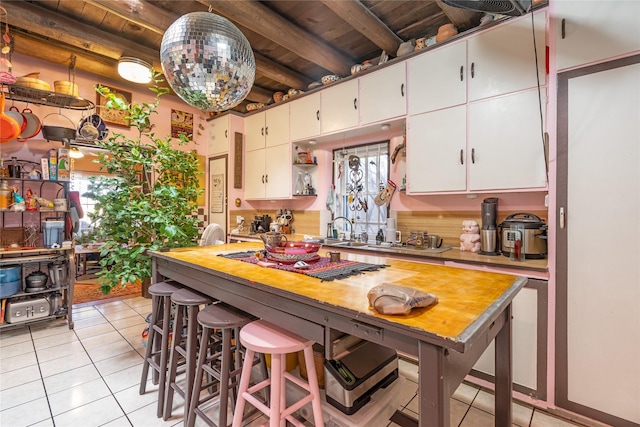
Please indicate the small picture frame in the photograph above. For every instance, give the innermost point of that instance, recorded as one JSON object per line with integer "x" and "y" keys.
{"x": 113, "y": 116}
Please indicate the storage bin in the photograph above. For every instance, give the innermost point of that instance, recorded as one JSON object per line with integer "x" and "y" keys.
{"x": 375, "y": 413}
{"x": 9, "y": 273}
{"x": 53, "y": 232}
{"x": 9, "y": 288}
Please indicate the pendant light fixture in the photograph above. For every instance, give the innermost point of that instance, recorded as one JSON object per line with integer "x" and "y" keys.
{"x": 207, "y": 61}
{"x": 134, "y": 69}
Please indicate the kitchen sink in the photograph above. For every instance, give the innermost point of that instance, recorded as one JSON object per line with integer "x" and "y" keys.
{"x": 348, "y": 243}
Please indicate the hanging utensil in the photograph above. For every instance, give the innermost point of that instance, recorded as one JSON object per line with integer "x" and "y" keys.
{"x": 9, "y": 127}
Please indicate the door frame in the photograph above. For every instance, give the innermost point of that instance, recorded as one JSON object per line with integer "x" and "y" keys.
{"x": 225, "y": 202}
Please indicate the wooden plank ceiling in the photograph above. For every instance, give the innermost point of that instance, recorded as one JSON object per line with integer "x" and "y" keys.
{"x": 295, "y": 42}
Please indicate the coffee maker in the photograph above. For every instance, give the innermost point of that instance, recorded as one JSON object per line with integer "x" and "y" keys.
{"x": 489, "y": 231}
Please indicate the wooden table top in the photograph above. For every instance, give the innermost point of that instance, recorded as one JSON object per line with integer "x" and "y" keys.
{"x": 464, "y": 295}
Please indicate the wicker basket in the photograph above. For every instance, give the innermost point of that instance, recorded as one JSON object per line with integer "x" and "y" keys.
{"x": 33, "y": 83}
{"x": 65, "y": 87}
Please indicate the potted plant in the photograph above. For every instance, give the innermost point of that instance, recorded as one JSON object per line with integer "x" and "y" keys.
{"x": 147, "y": 199}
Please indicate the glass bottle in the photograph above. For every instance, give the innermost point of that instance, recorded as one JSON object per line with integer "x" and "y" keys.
{"x": 379, "y": 237}
{"x": 299, "y": 188}
{"x": 4, "y": 172}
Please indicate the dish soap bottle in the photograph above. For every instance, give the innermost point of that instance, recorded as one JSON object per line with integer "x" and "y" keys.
{"x": 379, "y": 237}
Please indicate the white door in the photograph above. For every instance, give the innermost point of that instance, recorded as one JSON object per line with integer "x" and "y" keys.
{"x": 436, "y": 151}
{"x": 278, "y": 171}
{"x": 277, "y": 125}
{"x": 218, "y": 191}
{"x": 599, "y": 265}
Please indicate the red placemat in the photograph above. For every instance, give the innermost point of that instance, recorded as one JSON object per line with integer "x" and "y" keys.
{"x": 322, "y": 269}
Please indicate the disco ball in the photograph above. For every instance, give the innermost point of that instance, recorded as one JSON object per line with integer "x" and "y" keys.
{"x": 207, "y": 61}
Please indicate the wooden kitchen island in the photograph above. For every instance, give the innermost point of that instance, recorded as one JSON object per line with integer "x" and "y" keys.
{"x": 447, "y": 338}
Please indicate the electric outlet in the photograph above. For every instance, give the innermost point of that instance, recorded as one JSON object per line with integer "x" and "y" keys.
{"x": 546, "y": 200}
{"x": 239, "y": 219}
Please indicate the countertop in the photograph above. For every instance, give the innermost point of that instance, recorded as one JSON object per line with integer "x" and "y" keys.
{"x": 454, "y": 254}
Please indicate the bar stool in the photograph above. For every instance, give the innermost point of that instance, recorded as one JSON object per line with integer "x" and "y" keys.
{"x": 263, "y": 337}
{"x": 188, "y": 304}
{"x": 157, "y": 352}
{"x": 221, "y": 359}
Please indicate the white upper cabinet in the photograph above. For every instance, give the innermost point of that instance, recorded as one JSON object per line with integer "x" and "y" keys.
{"x": 267, "y": 128}
{"x": 502, "y": 60}
{"x": 383, "y": 94}
{"x": 218, "y": 142}
{"x": 268, "y": 173}
{"x": 436, "y": 150}
{"x": 591, "y": 31}
{"x": 339, "y": 109}
{"x": 504, "y": 143}
{"x": 438, "y": 79}
{"x": 305, "y": 117}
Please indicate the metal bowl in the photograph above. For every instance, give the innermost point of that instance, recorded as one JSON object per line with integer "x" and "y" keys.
{"x": 37, "y": 280}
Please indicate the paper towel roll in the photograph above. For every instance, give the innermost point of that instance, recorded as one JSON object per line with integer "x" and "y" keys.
{"x": 391, "y": 223}
{"x": 391, "y": 235}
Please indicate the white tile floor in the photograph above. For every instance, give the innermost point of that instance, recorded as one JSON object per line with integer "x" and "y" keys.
{"x": 89, "y": 376}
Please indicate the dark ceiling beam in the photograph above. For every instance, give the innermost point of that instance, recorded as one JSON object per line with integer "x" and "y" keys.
{"x": 366, "y": 23}
{"x": 56, "y": 27}
{"x": 158, "y": 20}
{"x": 252, "y": 14}
{"x": 97, "y": 52}
{"x": 142, "y": 13}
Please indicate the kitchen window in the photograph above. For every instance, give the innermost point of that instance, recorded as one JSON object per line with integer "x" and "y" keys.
{"x": 359, "y": 175}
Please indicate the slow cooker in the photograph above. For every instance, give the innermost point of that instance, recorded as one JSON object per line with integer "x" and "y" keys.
{"x": 524, "y": 233}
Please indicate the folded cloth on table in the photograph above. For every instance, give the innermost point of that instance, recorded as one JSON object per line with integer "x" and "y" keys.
{"x": 388, "y": 298}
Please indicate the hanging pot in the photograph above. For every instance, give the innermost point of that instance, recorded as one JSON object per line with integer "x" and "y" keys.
{"x": 9, "y": 127}
{"x": 58, "y": 133}
{"x": 33, "y": 125}
{"x": 17, "y": 116}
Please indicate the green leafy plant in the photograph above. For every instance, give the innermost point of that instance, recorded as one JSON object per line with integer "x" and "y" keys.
{"x": 146, "y": 200}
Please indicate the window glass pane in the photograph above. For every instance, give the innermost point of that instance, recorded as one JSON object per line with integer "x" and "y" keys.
{"x": 360, "y": 174}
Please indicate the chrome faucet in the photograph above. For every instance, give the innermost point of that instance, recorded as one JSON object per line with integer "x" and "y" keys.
{"x": 352, "y": 235}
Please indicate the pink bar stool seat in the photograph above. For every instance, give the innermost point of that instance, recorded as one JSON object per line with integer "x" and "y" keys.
{"x": 263, "y": 337}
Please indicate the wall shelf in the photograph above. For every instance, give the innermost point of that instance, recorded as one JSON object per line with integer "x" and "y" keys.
{"x": 50, "y": 99}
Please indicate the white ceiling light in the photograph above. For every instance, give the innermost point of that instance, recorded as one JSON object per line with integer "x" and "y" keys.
{"x": 134, "y": 69}
{"x": 75, "y": 153}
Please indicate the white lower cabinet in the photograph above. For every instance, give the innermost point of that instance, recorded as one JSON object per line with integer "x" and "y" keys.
{"x": 505, "y": 143}
{"x": 436, "y": 150}
{"x": 528, "y": 345}
{"x": 268, "y": 173}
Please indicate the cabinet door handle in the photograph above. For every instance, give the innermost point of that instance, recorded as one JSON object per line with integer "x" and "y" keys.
{"x": 473, "y": 69}
{"x": 263, "y": 179}
{"x": 563, "y": 28}
{"x": 262, "y": 131}
{"x": 266, "y": 130}
{"x": 462, "y": 73}
{"x": 266, "y": 179}
{"x": 461, "y": 156}
{"x": 226, "y": 134}
{"x": 318, "y": 115}
{"x": 562, "y": 219}
{"x": 402, "y": 90}
{"x": 473, "y": 156}
{"x": 355, "y": 103}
